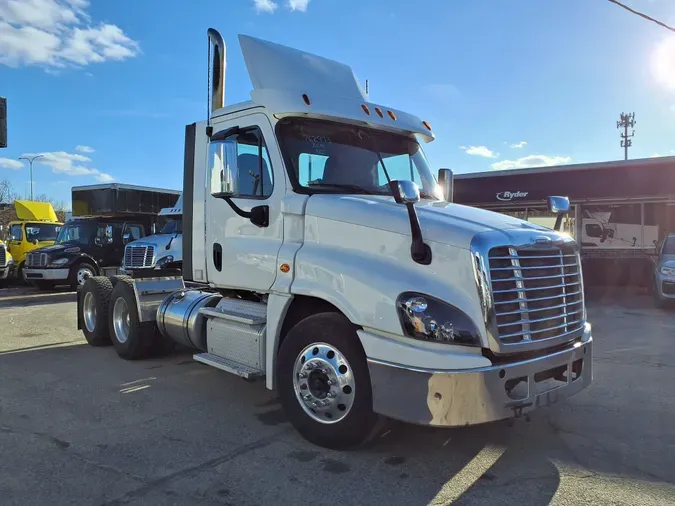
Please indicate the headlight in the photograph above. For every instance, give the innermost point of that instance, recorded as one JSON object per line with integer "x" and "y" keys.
{"x": 430, "y": 319}
{"x": 59, "y": 261}
{"x": 165, "y": 260}
{"x": 668, "y": 270}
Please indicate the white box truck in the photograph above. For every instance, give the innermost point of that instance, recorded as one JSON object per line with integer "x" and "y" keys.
{"x": 359, "y": 292}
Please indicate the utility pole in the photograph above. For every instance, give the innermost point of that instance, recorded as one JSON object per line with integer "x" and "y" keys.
{"x": 626, "y": 121}
{"x": 30, "y": 162}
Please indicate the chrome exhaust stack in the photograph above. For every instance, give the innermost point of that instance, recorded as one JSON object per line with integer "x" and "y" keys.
{"x": 217, "y": 70}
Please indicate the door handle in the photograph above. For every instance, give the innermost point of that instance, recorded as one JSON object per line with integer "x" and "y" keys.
{"x": 218, "y": 256}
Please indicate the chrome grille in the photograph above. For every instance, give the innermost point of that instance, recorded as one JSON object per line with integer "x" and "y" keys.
{"x": 3, "y": 255}
{"x": 36, "y": 260}
{"x": 137, "y": 256}
{"x": 537, "y": 292}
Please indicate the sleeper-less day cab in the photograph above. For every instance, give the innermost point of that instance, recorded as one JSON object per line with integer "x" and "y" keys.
{"x": 321, "y": 254}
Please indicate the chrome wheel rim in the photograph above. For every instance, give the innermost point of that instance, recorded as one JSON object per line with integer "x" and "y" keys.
{"x": 324, "y": 383}
{"x": 121, "y": 320}
{"x": 89, "y": 311}
{"x": 82, "y": 275}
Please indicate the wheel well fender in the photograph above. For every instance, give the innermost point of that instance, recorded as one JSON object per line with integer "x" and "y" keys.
{"x": 289, "y": 311}
{"x": 86, "y": 258}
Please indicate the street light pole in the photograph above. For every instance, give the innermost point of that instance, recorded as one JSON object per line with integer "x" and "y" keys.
{"x": 30, "y": 163}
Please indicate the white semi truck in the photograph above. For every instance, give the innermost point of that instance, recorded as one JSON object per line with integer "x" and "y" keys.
{"x": 160, "y": 250}
{"x": 322, "y": 255}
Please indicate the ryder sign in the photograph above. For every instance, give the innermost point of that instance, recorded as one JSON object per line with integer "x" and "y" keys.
{"x": 508, "y": 196}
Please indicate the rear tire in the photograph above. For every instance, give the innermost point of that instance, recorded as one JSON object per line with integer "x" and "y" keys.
{"x": 95, "y": 306}
{"x": 326, "y": 348}
{"x": 132, "y": 339}
{"x": 80, "y": 273}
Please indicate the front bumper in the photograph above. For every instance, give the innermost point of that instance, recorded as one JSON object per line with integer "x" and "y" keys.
{"x": 45, "y": 274}
{"x": 4, "y": 272}
{"x": 665, "y": 286}
{"x": 473, "y": 396}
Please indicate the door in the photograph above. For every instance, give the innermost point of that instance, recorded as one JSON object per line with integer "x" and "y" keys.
{"x": 245, "y": 176}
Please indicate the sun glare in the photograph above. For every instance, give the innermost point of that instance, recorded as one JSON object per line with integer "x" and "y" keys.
{"x": 664, "y": 63}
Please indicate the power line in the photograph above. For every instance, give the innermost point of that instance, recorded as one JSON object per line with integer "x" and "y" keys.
{"x": 642, "y": 15}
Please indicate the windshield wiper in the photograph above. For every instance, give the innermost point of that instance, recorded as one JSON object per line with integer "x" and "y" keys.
{"x": 345, "y": 186}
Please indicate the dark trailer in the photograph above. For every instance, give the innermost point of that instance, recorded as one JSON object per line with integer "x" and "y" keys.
{"x": 620, "y": 210}
{"x": 116, "y": 199}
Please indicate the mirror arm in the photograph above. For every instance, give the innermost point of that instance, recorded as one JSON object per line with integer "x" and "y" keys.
{"x": 419, "y": 250}
{"x": 259, "y": 215}
{"x": 558, "y": 222}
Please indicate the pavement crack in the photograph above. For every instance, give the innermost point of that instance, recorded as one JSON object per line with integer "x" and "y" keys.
{"x": 189, "y": 471}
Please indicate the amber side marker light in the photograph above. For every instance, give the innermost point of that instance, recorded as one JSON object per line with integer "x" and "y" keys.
{"x": 306, "y": 98}
{"x": 426, "y": 125}
{"x": 284, "y": 267}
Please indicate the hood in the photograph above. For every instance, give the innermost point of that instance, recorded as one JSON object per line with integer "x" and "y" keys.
{"x": 442, "y": 222}
{"x": 667, "y": 257}
{"x": 27, "y": 210}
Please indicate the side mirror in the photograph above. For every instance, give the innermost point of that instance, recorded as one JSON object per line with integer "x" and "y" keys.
{"x": 153, "y": 229}
{"x": 224, "y": 169}
{"x": 446, "y": 182}
{"x": 126, "y": 238}
{"x": 405, "y": 192}
{"x": 558, "y": 205}
{"x": 35, "y": 242}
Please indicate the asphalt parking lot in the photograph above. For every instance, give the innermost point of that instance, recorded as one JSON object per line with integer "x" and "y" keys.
{"x": 78, "y": 425}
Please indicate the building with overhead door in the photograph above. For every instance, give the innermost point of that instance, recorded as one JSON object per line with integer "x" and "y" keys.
{"x": 620, "y": 210}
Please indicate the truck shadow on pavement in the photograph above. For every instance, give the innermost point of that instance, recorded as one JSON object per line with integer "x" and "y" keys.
{"x": 37, "y": 298}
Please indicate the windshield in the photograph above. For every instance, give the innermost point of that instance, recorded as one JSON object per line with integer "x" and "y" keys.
{"x": 42, "y": 231}
{"x": 330, "y": 157}
{"x": 172, "y": 226}
{"x": 669, "y": 246}
{"x": 76, "y": 233}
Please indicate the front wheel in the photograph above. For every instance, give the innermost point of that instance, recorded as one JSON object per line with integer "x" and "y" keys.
{"x": 80, "y": 273}
{"x": 324, "y": 383}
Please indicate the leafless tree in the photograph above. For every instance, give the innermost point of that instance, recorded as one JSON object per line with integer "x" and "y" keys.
{"x": 7, "y": 193}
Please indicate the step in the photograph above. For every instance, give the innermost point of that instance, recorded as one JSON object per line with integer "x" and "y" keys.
{"x": 242, "y": 311}
{"x": 228, "y": 365}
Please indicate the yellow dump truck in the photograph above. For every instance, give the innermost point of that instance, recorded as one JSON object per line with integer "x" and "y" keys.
{"x": 37, "y": 226}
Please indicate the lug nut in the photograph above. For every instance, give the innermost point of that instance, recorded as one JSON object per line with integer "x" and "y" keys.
{"x": 307, "y": 397}
{"x": 303, "y": 374}
{"x": 330, "y": 394}
{"x": 329, "y": 382}
{"x": 316, "y": 404}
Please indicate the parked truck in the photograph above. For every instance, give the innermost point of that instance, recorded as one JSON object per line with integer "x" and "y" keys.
{"x": 36, "y": 226}
{"x": 162, "y": 250}
{"x": 359, "y": 292}
{"x": 105, "y": 218}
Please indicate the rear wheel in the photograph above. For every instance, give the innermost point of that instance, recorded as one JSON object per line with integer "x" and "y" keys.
{"x": 95, "y": 305}
{"x": 131, "y": 338}
{"x": 80, "y": 273}
{"x": 324, "y": 383}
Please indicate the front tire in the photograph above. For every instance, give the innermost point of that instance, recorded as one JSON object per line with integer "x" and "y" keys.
{"x": 131, "y": 338}
{"x": 95, "y": 306}
{"x": 80, "y": 273}
{"x": 324, "y": 383}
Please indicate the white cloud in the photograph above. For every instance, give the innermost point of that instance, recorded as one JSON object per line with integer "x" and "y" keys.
{"x": 71, "y": 164}
{"x": 8, "y": 163}
{"x": 479, "y": 151}
{"x": 531, "y": 161}
{"x": 58, "y": 33}
{"x": 84, "y": 149}
{"x": 266, "y": 6}
{"x": 298, "y": 5}
{"x": 656, "y": 155}
{"x": 519, "y": 145}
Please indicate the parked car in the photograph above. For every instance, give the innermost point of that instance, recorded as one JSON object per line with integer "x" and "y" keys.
{"x": 664, "y": 271}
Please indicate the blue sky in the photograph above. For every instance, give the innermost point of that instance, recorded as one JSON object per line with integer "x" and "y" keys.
{"x": 104, "y": 89}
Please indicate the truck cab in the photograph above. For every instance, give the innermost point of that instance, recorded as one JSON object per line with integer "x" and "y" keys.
{"x": 36, "y": 226}
{"x": 6, "y": 262}
{"x": 161, "y": 250}
{"x": 322, "y": 255}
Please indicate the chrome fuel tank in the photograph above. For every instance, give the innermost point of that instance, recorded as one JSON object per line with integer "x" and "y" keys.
{"x": 178, "y": 317}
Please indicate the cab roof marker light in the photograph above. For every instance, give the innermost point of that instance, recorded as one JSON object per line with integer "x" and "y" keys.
{"x": 306, "y": 98}
{"x": 379, "y": 112}
{"x": 365, "y": 109}
{"x": 426, "y": 125}
{"x": 392, "y": 115}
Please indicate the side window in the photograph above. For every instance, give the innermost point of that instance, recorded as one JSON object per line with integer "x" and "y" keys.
{"x": 16, "y": 233}
{"x": 135, "y": 232}
{"x": 310, "y": 167}
{"x": 240, "y": 165}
